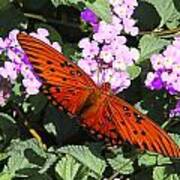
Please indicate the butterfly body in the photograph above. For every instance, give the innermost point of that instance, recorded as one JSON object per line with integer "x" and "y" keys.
{"x": 97, "y": 108}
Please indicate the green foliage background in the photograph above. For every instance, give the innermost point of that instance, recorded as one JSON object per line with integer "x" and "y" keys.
{"x": 71, "y": 154}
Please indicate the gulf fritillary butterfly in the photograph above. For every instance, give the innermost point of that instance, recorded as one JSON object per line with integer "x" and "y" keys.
{"x": 97, "y": 109}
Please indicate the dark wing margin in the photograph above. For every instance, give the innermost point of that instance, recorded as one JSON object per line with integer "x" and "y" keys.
{"x": 64, "y": 82}
{"x": 116, "y": 121}
{"x": 140, "y": 130}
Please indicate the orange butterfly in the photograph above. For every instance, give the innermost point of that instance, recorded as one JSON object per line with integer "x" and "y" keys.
{"x": 100, "y": 111}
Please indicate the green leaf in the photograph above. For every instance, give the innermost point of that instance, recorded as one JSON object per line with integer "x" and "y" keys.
{"x": 5, "y": 176}
{"x": 134, "y": 71}
{"x": 163, "y": 172}
{"x": 162, "y": 160}
{"x": 100, "y": 7}
{"x": 67, "y": 167}
{"x": 86, "y": 157}
{"x": 38, "y": 102}
{"x": 27, "y": 155}
{"x": 159, "y": 173}
{"x": 8, "y": 128}
{"x": 18, "y": 162}
{"x": 50, "y": 160}
{"x": 166, "y": 10}
{"x": 51, "y": 128}
{"x": 56, "y": 3}
{"x": 150, "y": 44}
{"x": 16, "y": 89}
{"x": 147, "y": 159}
{"x": 176, "y": 138}
{"x": 11, "y": 17}
{"x": 34, "y": 5}
{"x": 3, "y": 156}
{"x": 121, "y": 164}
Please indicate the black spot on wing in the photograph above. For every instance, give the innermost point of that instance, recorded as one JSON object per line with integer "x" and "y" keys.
{"x": 64, "y": 79}
{"x": 128, "y": 114}
{"x": 138, "y": 117}
{"x": 143, "y": 133}
{"x": 73, "y": 73}
{"x": 58, "y": 89}
{"x": 66, "y": 64}
{"x": 52, "y": 69}
{"x": 78, "y": 73}
{"x": 49, "y": 62}
{"x": 125, "y": 108}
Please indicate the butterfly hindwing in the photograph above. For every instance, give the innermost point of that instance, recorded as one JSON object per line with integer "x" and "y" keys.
{"x": 64, "y": 82}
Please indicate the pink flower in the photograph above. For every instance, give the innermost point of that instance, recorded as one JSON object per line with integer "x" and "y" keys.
{"x": 9, "y": 71}
{"x": 3, "y": 98}
{"x": 176, "y": 111}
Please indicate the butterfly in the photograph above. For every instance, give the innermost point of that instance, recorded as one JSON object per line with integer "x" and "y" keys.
{"x": 97, "y": 108}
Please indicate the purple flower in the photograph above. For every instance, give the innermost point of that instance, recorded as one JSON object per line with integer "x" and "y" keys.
{"x": 90, "y": 49}
{"x": 175, "y": 112}
{"x": 90, "y": 17}
{"x": 3, "y": 98}
{"x": 9, "y": 71}
{"x": 166, "y": 68}
{"x": 17, "y": 62}
{"x": 4, "y": 92}
{"x": 157, "y": 84}
{"x": 105, "y": 56}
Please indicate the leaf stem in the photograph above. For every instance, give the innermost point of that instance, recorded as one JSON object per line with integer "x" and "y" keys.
{"x": 50, "y": 20}
{"x": 163, "y": 32}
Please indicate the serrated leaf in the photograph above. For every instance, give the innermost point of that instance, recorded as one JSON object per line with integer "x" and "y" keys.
{"x": 18, "y": 162}
{"x": 159, "y": 173}
{"x": 25, "y": 155}
{"x": 147, "y": 159}
{"x": 50, "y": 160}
{"x": 11, "y": 17}
{"x": 176, "y": 138}
{"x": 67, "y": 168}
{"x": 134, "y": 71}
{"x": 8, "y": 128}
{"x": 166, "y": 10}
{"x": 163, "y": 172}
{"x": 38, "y": 102}
{"x": 100, "y": 7}
{"x": 34, "y": 5}
{"x": 86, "y": 157}
{"x": 150, "y": 44}
{"x": 16, "y": 89}
{"x": 51, "y": 128}
{"x": 121, "y": 164}
{"x": 3, "y": 156}
{"x": 56, "y": 3}
{"x": 162, "y": 160}
{"x": 5, "y": 176}
{"x": 21, "y": 146}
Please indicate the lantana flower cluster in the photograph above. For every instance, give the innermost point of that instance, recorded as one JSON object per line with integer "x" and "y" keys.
{"x": 16, "y": 64}
{"x": 166, "y": 72}
{"x": 105, "y": 56}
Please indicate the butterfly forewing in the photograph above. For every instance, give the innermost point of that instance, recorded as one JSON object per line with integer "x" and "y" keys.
{"x": 64, "y": 82}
